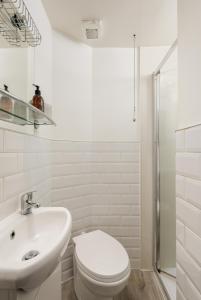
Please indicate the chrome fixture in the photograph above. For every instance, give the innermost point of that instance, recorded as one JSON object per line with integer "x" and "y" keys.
{"x": 30, "y": 254}
{"x": 17, "y": 25}
{"x": 27, "y": 203}
{"x": 157, "y": 179}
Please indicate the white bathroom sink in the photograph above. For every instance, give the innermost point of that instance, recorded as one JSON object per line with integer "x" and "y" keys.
{"x": 46, "y": 232}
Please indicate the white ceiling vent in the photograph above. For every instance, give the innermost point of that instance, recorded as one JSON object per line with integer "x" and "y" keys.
{"x": 92, "y": 29}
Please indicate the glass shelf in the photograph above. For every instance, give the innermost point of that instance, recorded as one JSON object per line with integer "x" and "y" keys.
{"x": 19, "y": 112}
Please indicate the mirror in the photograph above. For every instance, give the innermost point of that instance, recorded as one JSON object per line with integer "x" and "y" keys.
{"x": 16, "y": 70}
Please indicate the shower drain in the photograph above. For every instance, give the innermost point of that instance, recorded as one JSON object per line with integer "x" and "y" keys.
{"x": 29, "y": 255}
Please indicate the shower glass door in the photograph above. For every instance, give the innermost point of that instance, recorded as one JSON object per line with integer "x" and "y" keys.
{"x": 166, "y": 125}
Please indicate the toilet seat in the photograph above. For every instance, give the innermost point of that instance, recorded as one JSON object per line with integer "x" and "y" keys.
{"x": 101, "y": 257}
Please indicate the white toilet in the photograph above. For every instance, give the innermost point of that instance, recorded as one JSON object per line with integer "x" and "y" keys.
{"x": 101, "y": 266}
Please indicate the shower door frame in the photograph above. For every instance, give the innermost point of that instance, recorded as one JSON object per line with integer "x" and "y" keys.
{"x": 156, "y": 165}
{"x": 156, "y": 172}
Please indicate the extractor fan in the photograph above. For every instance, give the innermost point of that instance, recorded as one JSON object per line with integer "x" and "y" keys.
{"x": 92, "y": 29}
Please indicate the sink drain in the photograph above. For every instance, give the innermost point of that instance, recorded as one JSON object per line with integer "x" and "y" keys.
{"x": 29, "y": 255}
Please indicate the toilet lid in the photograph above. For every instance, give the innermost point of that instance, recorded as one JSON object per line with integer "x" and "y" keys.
{"x": 101, "y": 256}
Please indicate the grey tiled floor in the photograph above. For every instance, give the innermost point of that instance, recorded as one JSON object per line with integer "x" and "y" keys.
{"x": 141, "y": 286}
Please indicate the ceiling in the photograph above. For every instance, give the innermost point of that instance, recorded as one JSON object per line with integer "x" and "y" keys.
{"x": 153, "y": 21}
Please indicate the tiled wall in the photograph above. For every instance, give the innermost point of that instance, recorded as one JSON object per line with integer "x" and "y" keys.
{"x": 99, "y": 183}
{"x": 189, "y": 214}
{"x": 71, "y": 189}
{"x": 25, "y": 165}
{"x": 115, "y": 191}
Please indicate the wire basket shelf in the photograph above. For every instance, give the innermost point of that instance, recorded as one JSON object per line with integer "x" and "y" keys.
{"x": 16, "y": 24}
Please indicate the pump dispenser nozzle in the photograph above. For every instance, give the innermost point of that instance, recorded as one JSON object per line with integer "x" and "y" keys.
{"x": 6, "y": 88}
{"x": 37, "y": 91}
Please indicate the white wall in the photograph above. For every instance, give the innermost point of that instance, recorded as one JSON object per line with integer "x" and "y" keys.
{"x": 188, "y": 187}
{"x": 113, "y": 95}
{"x": 72, "y": 83}
{"x": 189, "y": 151}
{"x": 93, "y": 92}
{"x": 25, "y": 166}
{"x": 189, "y": 63}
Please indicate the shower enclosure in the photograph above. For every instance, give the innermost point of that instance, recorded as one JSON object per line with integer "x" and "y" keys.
{"x": 165, "y": 91}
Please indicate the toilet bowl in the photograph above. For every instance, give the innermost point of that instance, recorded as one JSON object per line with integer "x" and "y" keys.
{"x": 101, "y": 266}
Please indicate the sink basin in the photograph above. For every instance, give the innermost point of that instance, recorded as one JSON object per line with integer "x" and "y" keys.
{"x": 31, "y": 246}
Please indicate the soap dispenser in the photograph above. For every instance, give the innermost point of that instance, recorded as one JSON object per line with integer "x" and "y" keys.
{"x": 37, "y": 100}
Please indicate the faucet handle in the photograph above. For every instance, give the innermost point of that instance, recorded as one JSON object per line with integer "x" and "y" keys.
{"x": 30, "y": 196}
{"x": 27, "y": 197}
{"x": 30, "y": 200}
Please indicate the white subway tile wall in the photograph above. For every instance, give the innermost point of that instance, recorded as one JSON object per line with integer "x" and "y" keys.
{"x": 98, "y": 182}
{"x": 188, "y": 192}
{"x": 115, "y": 201}
{"x": 25, "y": 165}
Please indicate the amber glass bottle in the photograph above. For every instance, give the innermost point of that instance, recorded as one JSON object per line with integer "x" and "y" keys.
{"x": 37, "y": 100}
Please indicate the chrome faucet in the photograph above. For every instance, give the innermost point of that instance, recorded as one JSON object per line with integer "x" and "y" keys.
{"x": 27, "y": 203}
